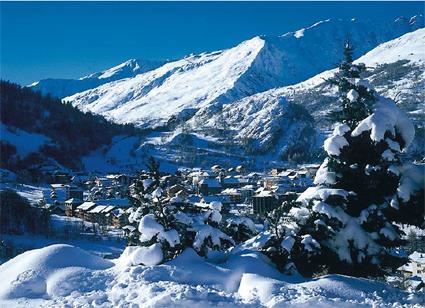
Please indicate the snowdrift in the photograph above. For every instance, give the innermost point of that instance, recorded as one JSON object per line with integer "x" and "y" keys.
{"x": 62, "y": 275}
{"x": 42, "y": 273}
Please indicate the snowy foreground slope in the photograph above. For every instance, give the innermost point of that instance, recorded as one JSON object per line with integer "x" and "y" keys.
{"x": 179, "y": 88}
{"x": 63, "y": 275}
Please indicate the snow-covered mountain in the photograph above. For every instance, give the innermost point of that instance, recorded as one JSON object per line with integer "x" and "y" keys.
{"x": 395, "y": 68}
{"x": 65, "y": 87}
{"x": 179, "y": 88}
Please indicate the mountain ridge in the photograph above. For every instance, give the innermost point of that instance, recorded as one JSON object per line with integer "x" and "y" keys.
{"x": 152, "y": 98}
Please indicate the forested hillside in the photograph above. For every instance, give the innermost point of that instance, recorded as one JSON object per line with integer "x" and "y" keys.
{"x": 67, "y": 132}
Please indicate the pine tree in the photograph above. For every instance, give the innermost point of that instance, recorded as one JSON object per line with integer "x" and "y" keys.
{"x": 357, "y": 98}
{"x": 346, "y": 224}
{"x": 209, "y": 236}
{"x": 153, "y": 167}
{"x": 171, "y": 227}
{"x": 358, "y": 182}
{"x": 155, "y": 218}
{"x": 240, "y": 228}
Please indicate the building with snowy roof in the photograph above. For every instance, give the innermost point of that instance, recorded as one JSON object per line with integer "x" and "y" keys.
{"x": 415, "y": 267}
{"x": 209, "y": 186}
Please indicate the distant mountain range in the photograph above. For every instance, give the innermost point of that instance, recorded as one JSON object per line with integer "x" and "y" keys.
{"x": 65, "y": 87}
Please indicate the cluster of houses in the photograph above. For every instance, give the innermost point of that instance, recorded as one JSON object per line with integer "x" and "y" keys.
{"x": 104, "y": 200}
{"x": 260, "y": 192}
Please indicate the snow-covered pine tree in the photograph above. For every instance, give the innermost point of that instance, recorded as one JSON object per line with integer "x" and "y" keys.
{"x": 157, "y": 228}
{"x": 208, "y": 234}
{"x": 357, "y": 197}
{"x": 345, "y": 224}
{"x": 292, "y": 243}
{"x": 240, "y": 228}
{"x": 348, "y": 81}
{"x": 165, "y": 228}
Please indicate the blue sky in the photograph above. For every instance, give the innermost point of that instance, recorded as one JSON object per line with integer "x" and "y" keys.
{"x": 72, "y": 39}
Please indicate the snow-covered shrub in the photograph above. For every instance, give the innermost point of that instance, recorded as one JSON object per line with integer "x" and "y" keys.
{"x": 208, "y": 231}
{"x": 154, "y": 218}
{"x": 240, "y": 228}
{"x": 208, "y": 239}
{"x": 293, "y": 245}
{"x": 172, "y": 226}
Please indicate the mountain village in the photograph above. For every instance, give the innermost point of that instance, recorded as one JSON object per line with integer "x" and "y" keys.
{"x": 258, "y": 175}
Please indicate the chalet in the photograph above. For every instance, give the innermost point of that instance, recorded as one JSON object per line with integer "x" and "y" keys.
{"x": 247, "y": 191}
{"x": 55, "y": 208}
{"x": 276, "y": 171}
{"x": 63, "y": 192}
{"x": 415, "y": 267}
{"x": 234, "y": 195}
{"x": 209, "y": 186}
{"x": 197, "y": 176}
{"x": 264, "y": 202}
{"x": 119, "y": 179}
{"x": 82, "y": 210}
{"x": 288, "y": 196}
{"x": 100, "y": 214}
{"x": 231, "y": 182}
{"x": 173, "y": 190}
{"x": 311, "y": 169}
{"x": 414, "y": 283}
{"x": 119, "y": 217}
{"x": 302, "y": 174}
{"x": 103, "y": 182}
{"x": 273, "y": 181}
{"x": 71, "y": 205}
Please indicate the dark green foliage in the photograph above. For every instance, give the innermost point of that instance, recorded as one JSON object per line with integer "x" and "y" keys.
{"x": 73, "y": 132}
{"x": 239, "y": 232}
{"x": 300, "y": 148}
{"x": 8, "y": 155}
{"x": 17, "y": 216}
{"x": 153, "y": 167}
{"x": 351, "y": 113}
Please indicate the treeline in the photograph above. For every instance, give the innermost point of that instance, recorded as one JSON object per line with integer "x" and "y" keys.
{"x": 74, "y": 133}
{"x": 17, "y": 216}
